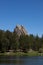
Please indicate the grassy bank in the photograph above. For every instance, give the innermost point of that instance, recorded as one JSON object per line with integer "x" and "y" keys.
{"x": 35, "y": 53}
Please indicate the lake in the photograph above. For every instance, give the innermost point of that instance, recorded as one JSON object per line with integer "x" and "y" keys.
{"x": 21, "y": 60}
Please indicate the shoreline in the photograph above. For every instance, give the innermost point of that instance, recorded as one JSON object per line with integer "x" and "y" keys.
{"x": 21, "y": 54}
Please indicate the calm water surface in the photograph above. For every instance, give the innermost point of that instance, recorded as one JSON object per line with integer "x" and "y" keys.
{"x": 21, "y": 60}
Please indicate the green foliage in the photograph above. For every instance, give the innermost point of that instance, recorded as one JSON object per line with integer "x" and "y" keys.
{"x": 11, "y": 41}
{"x": 24, "y": 42}
{"x": 15, "y": 41}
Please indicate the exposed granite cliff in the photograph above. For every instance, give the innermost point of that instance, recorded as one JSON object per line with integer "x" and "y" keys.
{"x": 20, "y": 30}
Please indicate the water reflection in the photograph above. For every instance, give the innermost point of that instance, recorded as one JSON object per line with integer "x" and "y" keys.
{"x": 21, "y": 60}
{"x": 10, "y": 60}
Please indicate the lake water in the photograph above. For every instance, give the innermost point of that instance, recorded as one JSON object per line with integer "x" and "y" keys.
{"x": 21, "y": 60}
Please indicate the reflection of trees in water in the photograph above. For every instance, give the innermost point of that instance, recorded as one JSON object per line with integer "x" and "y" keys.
{"x": 18, "y": 60}
{"x": 11, "y": 60}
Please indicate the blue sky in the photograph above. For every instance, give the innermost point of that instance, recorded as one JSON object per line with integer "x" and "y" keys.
{"x": 28, "y": 13}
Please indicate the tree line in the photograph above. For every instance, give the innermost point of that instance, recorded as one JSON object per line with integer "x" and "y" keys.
{"x": 10, "y": 41}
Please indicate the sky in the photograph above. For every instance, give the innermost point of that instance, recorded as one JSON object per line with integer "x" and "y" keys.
{"x": 28, "y": 13}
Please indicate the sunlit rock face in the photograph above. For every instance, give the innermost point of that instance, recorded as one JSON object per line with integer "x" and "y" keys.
{"x": 20, "y": 30}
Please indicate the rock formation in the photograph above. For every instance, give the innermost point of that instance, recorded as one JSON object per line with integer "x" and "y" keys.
{"x": 20, "y": 30}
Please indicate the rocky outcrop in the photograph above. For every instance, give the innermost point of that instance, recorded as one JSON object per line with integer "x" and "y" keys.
{"x": 20, "y": 30}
